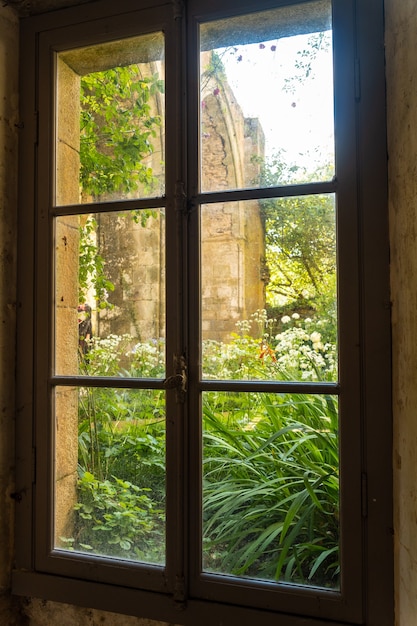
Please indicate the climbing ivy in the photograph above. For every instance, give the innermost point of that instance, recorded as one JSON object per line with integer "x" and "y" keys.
{"x": 117, "y": 126}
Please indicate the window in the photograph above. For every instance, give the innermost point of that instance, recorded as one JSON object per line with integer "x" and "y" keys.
{"x": 204, "y": 345}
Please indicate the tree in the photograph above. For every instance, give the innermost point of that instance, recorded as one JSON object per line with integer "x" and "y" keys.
{"x": 300, "y": 241}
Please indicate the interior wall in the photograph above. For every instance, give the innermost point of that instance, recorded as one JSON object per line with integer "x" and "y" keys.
{"x": 401, "y": 53}
{"x": 401, "y": 63}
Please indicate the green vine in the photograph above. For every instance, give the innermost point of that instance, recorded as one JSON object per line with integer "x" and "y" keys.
{"x": 117, "y": 126}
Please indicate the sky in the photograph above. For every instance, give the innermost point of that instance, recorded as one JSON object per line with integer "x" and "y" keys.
{"x": 295, "y": 110}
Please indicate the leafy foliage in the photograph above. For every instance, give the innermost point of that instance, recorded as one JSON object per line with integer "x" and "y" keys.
{"x": 117, "y": 518}
{"x": 305, "y": 60}
{"x": 271, "y": 492}
{"x": 118, "y": 123}
{"x": 117, "y": 127}
{"x": 300, "y": 241}
{"x": 91, "y": 265}
{"x": 271, "y": 487}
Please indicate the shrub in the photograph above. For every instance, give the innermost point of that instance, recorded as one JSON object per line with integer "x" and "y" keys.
{"x": 117, "y": 518}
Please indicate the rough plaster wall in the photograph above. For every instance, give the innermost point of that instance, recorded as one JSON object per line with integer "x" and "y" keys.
{"x": 42, "y": 613}
{"x": 401, "y": 54}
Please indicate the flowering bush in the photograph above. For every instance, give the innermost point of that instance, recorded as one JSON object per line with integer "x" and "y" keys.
{"x": 296, "y": 353}
{"x": 301, "y": 353}
{"x": 123, "y": 354}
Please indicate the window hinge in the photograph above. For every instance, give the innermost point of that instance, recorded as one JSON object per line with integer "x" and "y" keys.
{"x": 364, "y": 495}
{"x": 36, "y": 127}
{"x": 178, "y": 9}
{"x": 179, "y": 592}
{"x": 357, "y": 80}
{"x": 191, "y": 205}
{"x": 33, "y": 465}
{"x": 180, "y": 197}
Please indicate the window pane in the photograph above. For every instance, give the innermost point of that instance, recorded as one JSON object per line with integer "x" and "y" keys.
{"x": 269, "y": 295}
{"x": 267, "y": 98}
{"x": 110, "y": 136}
{"x": 110, "y": 294}
{"x": 270, "y": 487}
{"x": 110, "y": 472}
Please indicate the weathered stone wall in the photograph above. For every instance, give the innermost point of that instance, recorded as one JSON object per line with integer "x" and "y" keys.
{"x": 134, "y": 253}
{"x": 232, "y": 239}
{"x": 66, "y": 299}
{"x": 135, "y": 264}
{"x": 232, "y": 233}
{"x": 401, "y": 56}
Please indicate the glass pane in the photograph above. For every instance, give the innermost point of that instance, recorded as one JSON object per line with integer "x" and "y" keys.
{"x": 266, "y": 82}
{"x": 110, "y": 294}
{"x": 271, "y": 488}
{"x": 269, "y": 294}
{"x": 110, "y": 134}
{"x": 110, "y": 472}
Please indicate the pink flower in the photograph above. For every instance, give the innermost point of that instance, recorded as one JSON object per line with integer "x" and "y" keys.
{"x": 216, "y": 91}
{"x": 203, "y": 104}
{"x": 262, "y": 46}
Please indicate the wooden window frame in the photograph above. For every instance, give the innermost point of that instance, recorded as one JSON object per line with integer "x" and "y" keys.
{"x": 360, "y": 105}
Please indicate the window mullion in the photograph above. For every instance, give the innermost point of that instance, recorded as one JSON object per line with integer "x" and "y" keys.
{"x": 176, "y": 223}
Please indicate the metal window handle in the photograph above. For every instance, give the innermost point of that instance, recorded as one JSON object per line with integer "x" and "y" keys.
{"x": 179, "y": 380}
{"x": 175, "y": 382}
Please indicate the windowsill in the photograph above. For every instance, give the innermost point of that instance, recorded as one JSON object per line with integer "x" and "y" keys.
{"x": 147, "y": 604}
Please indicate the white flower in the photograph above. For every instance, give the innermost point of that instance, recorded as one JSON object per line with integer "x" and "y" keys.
{"x": 315, "y": 337}
{"x": 295, "y": 316}
{"x": 285, "y": 319}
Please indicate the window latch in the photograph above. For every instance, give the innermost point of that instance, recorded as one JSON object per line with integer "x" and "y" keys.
{"x": 174, "y": 382}
{"x": 179, "y": 380}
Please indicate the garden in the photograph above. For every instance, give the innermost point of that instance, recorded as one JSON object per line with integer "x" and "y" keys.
{"x": 270, "y": 461}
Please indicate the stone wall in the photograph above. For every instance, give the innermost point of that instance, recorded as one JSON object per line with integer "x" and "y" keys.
{"x": 232, "y": 234}
{"x": 401, "y": 56}
{"x": 134, "y": 252}
{"x": 135, "y": 264}
{"x": 66, "y": 299}
{"x": 232, "y": 240}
